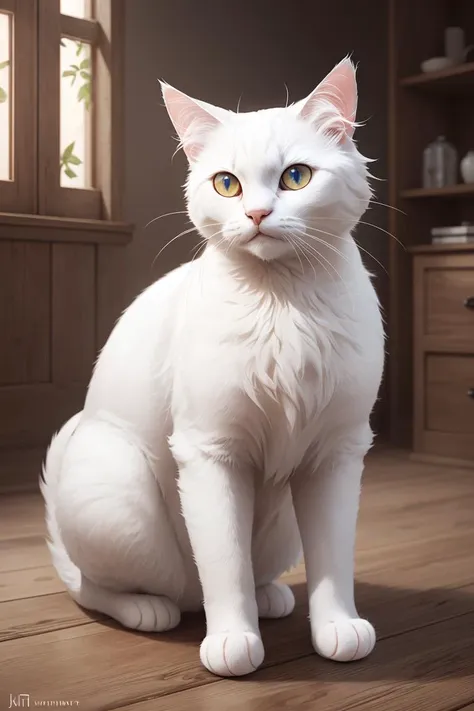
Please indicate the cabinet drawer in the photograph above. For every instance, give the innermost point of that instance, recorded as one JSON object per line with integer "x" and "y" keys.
{"x": 450, "y": 393}
{"x": 447, "y": 414}
{"x": 449, "y": 303}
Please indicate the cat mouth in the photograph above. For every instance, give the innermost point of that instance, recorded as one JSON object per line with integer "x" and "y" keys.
{"x": 262, "y": 235}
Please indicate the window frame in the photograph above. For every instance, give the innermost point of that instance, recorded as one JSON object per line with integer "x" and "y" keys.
{"x": 19, "y": 193}
{"x": 35, "y": 190}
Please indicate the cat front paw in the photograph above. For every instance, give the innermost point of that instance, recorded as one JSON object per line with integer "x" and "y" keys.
{"x": 232, "y": 653}
{"x": 344, "y": 640}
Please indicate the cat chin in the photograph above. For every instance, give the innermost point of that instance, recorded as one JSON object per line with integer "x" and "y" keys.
{"x": 267, "y": 248}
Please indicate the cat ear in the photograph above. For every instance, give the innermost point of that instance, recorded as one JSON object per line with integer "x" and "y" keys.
{"x": 192, "y": 119}
{"x": 333, "y": 103}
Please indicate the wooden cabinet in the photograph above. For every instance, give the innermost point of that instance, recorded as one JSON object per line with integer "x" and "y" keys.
{"x": 423, "y": 106}
{"x": 443, "y": 288}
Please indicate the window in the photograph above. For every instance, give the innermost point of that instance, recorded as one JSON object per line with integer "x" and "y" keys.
{"x": 5, "y": 96}
{"x": 60, "y": 113}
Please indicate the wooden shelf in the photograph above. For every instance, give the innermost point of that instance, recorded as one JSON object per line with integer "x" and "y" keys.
{"x": 44, "y": 228}
{"x": 458, "y": 79}
{"x": 453, "y": 191}
{"x": 440, "y": 248}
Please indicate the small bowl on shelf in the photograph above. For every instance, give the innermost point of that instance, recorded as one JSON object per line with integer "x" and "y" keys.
{"x": 437, "y": 64}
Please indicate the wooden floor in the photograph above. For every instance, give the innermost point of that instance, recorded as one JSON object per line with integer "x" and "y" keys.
{"x": 415, "y": 581}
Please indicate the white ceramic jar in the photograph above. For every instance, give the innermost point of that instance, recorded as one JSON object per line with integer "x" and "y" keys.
{"x": 467, "y": 167}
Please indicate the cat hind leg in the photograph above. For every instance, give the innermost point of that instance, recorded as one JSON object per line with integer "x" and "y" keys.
{"x": 110, "y": 538}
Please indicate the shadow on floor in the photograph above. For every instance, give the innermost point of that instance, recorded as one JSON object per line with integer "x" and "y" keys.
{"x": 425, "y": 635}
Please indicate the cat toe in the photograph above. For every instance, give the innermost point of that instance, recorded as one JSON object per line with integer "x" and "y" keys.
{"x": 344, "y": 640}
{"x": 232, "y": 653}
{"x": 274, "y": 600}
{"x": 147, "y": 613}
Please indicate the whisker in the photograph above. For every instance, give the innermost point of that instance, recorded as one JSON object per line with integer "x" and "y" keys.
{"x": 181, "y": 234}
{"x": 231, "y": 244}
{"x": 167, "y": 214}
{"x": 197, "y": 247}
{"x": 307, "y": 258}
{"x": 324, "y": 242}
{"x": 390, "y": 207}
{"x": 362, "y": 222}
{"x": 330, "y": 234}
{"x": 317, "y": 255}
{"x": 370, "y": 224}
{"x": 198, "y": 274}
{"x": 287, "y": 238}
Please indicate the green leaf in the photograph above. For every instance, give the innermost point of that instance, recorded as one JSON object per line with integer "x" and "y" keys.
{"x": 68, "y": 151}
{"x": 70, "y": 173}
{"x": 74, "y": 160}
{"x": 74, "y": 66}
{"x": 4, "y": 64}
{"x": 84, "y": 93}
{"x": 69, "y": 73}
{"x": 62, "y": 42}
{"x": 3, "y": 95}
{"x": 86, "y": 75}
{"x": 85, "y": 64}
{"x": 79, "y": 48}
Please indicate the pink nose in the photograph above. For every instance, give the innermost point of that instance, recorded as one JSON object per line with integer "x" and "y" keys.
{"x": 257, "y": 215}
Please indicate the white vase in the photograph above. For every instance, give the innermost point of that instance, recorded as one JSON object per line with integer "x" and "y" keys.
{"x": 454, "y": 44}
{"x": 467, "y": 167}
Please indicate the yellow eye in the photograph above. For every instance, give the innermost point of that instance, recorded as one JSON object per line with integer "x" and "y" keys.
{"x": 227, "y": 185}
{"x": 295, "y": 177}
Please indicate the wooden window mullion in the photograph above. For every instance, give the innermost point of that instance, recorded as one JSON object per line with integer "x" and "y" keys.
{"x": 109, "y": 106}
{"x": 48, "y": 95}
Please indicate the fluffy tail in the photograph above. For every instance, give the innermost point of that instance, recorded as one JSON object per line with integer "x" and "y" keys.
{"x": 67, "y": 571}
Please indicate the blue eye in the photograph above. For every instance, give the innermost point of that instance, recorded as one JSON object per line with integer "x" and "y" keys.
{"x": 295, "y": 177}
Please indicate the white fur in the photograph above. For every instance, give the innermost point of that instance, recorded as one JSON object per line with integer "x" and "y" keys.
{"x": 228, "y": 415}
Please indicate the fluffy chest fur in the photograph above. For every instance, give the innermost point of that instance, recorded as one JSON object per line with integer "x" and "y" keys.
{"x": 287, "y": 380}
{"x": 269, "y": 357}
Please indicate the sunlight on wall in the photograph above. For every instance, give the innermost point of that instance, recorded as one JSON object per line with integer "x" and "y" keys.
{"x": 76, "y": 8}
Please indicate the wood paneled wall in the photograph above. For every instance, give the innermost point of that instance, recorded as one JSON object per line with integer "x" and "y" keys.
{"x": 48, "y": 317}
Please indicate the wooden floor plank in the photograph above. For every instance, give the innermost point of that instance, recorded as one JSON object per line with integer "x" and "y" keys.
{"x": 23, "y": 553}
{"x": 18, "y": 584}
{"x": 139, "y": 666}
{"x": 428, "y": 672}
{"x": 379, "y": 528}
{"x": 21, "y": 515}
{"x": 31, "y": 616}
{"x": 399, "y": 566}
{"x": 415, "y": 581}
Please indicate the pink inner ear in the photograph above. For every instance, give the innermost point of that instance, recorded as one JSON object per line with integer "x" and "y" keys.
{"x": 339, "y": 88}
{"x": 190, "y": 119}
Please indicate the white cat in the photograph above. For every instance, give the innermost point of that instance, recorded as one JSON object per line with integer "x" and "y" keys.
{"x": 228, "y": 415}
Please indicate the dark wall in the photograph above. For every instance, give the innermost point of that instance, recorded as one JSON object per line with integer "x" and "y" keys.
{"x": 251, "y": 48}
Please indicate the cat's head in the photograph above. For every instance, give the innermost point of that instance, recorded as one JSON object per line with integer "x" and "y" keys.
{"x": 269, "y": 181}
